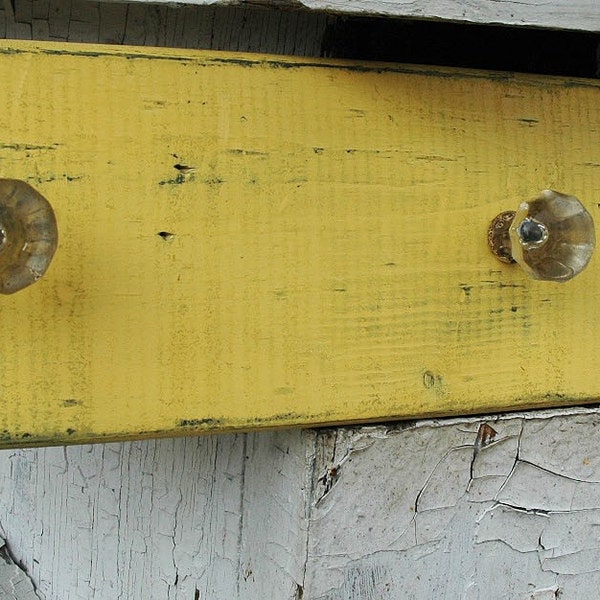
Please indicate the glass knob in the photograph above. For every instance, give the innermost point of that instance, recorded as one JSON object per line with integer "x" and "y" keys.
{"x": 551, "y": 237}
{"x": 28, "y": 235}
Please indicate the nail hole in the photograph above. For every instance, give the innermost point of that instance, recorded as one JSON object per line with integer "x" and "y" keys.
{"x": 166, "y": 235}
{"x": 183, "y": 168}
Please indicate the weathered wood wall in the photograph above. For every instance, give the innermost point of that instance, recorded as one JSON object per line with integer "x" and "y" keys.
{"x": 444, "y": 509}
{"x": 236, "y": 28}
{"x": 566, "y": 14}
{"x": 499, "y": 507}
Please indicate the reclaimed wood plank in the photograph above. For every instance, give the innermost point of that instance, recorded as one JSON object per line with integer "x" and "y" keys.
{"x": 328, "y": 261}
{"x": 171, "y": 519}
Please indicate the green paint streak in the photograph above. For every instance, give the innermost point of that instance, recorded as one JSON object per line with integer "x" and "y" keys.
{"x": 22, "y": 147}
{"x": 242, "y": 152}
{"x": 282, "y": 391}
{"x": 341, "y": 65}
{"x": 176, "y": 181}
{"x": 63, "y": 177}
{"x": 199, "y": 422}
{"x": 214, "y": 181}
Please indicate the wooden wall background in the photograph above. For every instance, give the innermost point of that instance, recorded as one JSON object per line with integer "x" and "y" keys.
{"x": 491, "y": 507}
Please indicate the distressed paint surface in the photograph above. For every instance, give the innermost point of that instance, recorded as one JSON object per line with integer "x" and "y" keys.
{"x": 188, "y": 518}
{"x": 563, "y": 14}
{"x": 121, "y": 531}
{"x": 14, "y": 582}
{"x": 427, "y": 511}
{"x": 250, "y": 241}
{"x": 414, "y": 511}
{"x": 239, "y": 28}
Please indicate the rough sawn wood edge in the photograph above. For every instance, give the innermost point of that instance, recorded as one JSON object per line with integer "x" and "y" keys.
{"x": 558, "y": 14}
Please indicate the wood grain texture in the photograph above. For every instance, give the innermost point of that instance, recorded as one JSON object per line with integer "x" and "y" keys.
{"x": 188, "y": 519}
{"x": 234, "y": 28}
{"x": 562, "y": 14}
{"x": 53, "y": 498}
{"x": 209, "y": 517}
{"x": 323, "y": 256}
{"x": 420, "y": 510}
{"x": 428, "y": 511}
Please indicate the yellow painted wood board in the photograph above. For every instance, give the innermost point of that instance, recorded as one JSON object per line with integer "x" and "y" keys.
{"x": 323, "y": 254}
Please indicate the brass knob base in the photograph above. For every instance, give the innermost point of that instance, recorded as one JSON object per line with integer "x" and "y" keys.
{"x": 499, "y": 238}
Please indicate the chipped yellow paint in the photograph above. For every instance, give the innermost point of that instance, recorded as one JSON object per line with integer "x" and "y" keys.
{"x": 249, "y": 241}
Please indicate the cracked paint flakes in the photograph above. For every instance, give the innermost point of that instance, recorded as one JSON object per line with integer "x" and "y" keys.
{"x": 417, "y": 511}
{"x": 565, "y": 543}
{"x": 14, "y": 581}
{"x": 535, "y": 488}
{"x": 177, "y": 519}
{"x": 545, "y": 442}
{"x": 431, "y": 511}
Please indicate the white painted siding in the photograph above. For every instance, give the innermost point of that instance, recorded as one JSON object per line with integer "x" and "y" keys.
{"x": 565, "y": 14}
{"x": 211, "y": 517}
{"x": 557, "y": 14}
{"x": 418, "y": 511}
{"x": 426, "y": 513}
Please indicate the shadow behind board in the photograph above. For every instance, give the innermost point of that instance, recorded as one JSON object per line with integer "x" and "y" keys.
{"x": 525, "y": 50}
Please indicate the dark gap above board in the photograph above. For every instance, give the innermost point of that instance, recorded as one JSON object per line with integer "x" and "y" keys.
{"x": 491, "y": 47}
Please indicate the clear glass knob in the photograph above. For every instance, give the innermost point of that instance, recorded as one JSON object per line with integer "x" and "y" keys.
{"x": 551, "y": 237}
{"x": 28, "y": 235}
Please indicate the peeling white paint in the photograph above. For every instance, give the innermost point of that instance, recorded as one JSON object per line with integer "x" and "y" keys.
{"x": 417, "y": 511}
{"x": 546, "y": 594}
{"x": 14, "y": 582}
{"x": 514, "y": 518}
{"x": 217, "y": 517}
{"x": 563, "y": 14}
{"x": 568, "y": 14}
